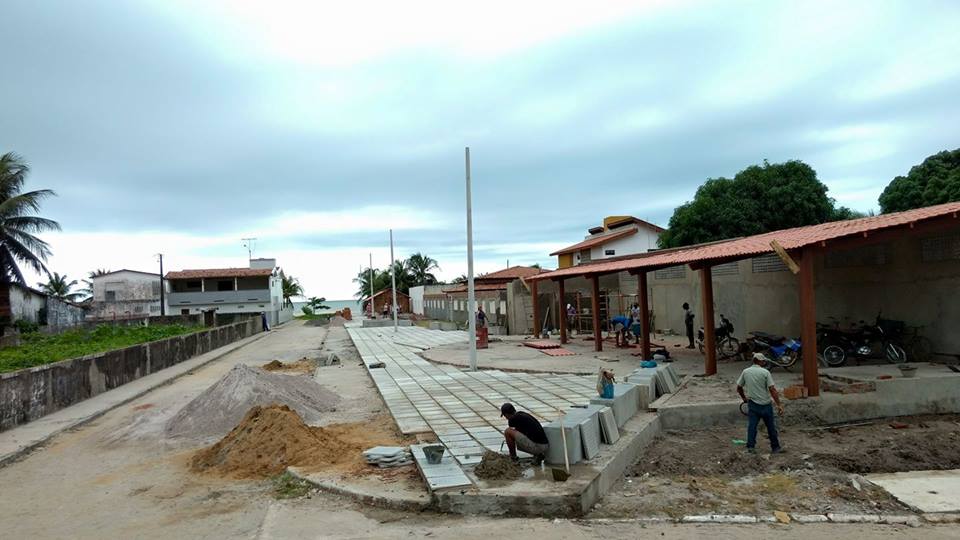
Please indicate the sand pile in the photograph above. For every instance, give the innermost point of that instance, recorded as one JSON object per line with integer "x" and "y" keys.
{"x": 219, "y": 408}
{"x": 303, "y": 365}
{"x": 496, "y": 466}
{"x": 265, "y": 442}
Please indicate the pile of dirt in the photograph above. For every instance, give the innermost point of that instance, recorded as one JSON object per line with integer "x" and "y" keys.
{"x": 271, "y": 438}
{"x": 265, "y": 443}
{"x": 303, "y": 365}
{"x": 336, "y": 321}
{"x": 494, "y": 466}
{"x": 219, "y": 408}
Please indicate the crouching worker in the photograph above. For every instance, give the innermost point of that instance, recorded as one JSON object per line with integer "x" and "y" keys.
{"x": 525, "y": 433}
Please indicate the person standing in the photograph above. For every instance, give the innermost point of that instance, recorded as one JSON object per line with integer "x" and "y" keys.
{"x": 571, "y": 317}
{"x": 481, "y": 317}
{"x": 688, "y": 322}
{"x": 757, "y": 390}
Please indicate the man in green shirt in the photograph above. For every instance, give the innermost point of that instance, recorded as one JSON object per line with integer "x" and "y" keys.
{"x": 756, "y": 389}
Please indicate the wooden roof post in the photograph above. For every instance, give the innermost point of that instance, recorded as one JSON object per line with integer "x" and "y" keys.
{"x": 595, "y": 306}
{"x": 709, "y": 327}
{"x": 808, "y": 324}
{"x": 536, "y": 308}
{"x": 644, "y": 314}
{"x": 562, "y": 313}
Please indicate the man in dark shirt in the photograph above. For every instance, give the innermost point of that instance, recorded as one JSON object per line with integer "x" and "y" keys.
{"x": 525, "y": 433}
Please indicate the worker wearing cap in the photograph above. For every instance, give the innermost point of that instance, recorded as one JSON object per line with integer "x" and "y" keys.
{"x": 756, "y": 389}
{"x": 525, "y": 433}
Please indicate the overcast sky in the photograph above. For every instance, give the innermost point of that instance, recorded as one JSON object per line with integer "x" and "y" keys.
{"x": 182, "y": 126}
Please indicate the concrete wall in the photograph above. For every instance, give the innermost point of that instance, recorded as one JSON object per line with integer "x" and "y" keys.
{"x": 25, "y": 304}
{"x": 28, "y": 394}
{"x": 61, "y": 314}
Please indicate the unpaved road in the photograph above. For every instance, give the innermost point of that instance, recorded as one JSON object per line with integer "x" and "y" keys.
{"x": 117, "y": 477}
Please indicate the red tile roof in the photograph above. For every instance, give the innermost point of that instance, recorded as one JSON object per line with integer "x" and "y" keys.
{"x": 478, "y": 287}
{"x": 514, "y": 272}
{"x": 595, "y": 241}
{"x": 751, "y": 246}
{"x": 220, "y": 273}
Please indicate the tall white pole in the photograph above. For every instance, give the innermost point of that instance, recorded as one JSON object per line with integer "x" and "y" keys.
{"x": 393, "y": 282}
{"x": 370, "y": 303}
{"x": 471, "y": 295}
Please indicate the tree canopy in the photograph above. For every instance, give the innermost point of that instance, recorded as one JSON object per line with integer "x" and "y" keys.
{"x": 760, "y": 198}
{"x": 59, "y": 287}
{"x": 19, "y": 223}
{"x": 935, "y": 181}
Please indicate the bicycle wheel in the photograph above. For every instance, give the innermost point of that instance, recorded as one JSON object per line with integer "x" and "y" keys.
{"x": 834, "y": 355}
{"x": 921, "y": 349}
{"x": 700, "y": 346}
{"x": 894, "y": 353}
{"x": 729, "y": 347}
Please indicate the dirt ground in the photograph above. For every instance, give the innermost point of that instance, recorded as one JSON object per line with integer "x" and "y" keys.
{"x": 302, "y": 366}
{"x": 710, "y": 471}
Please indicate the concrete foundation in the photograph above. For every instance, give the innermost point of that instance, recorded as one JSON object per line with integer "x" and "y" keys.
{"x": 381, "y": 323}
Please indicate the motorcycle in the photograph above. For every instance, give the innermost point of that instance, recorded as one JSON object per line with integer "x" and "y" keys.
{"x": 778, "y": 350}
{"x": 727, "y": 345}
{"x": 863, "y": 341}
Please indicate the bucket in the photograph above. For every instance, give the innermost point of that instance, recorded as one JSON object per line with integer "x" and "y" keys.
{"x": 908, "y": 371}
{"x": 433, "y": 453}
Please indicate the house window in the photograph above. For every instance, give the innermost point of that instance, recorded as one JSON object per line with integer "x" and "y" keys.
{"x": 111, "y": 296}
{"x": 876, "y": 255}
{"x": 155, "y": 287}
{"x": 726, "y": 269}
{"x": 609, "y": 252}
{"x": 194, "y": 285}
{"x": 185, "y": 311}
{"x": 585, "y": 255}
{"x": 767, "y": 263}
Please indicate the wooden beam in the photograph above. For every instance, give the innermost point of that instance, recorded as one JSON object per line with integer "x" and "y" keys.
{"x": 785, "y": 257}
{"x": 595, "y": 304}
{"x": 562, "y": 313}
{"x": 808, "y": 324}
{"x": 536, "y": 308}
{"x": 644, "y": 314}
{"x": 709, "y": 327}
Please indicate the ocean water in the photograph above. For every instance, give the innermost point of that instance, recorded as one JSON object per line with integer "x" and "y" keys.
{"x": 334, "y": 305}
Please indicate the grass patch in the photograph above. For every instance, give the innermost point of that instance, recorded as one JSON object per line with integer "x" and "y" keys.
{"x": 315, "y": 317}
{"x": 36, "y": 349}
{"x": 288, "y": 486}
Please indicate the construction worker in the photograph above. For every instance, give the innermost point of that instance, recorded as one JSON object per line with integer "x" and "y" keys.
{"x": 757, "y": 390}
{"x": 688, "y": 322}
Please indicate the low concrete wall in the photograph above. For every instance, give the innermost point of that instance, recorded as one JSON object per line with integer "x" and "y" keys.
{"x": 28, "y": 394}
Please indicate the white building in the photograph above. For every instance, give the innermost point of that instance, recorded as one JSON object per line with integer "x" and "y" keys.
{"x": 256, "y": 289}
{"x": 125, "y": 294}
{"x": 618, "y": 236}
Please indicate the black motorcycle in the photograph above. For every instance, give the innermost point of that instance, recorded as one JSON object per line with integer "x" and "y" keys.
{"x": 862, "y": 341}
{"x": 727, "y": 345}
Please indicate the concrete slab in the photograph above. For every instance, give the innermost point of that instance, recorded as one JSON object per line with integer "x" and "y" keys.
{"x": 926, "y": 491}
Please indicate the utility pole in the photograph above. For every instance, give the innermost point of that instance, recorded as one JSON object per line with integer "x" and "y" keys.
{"x": 163, "y": 309}
{"x": 471, "y": 295}
{"x": 393, "y": 283}
{"x": 248, "y": 243}
{"x": 370, "y": 303}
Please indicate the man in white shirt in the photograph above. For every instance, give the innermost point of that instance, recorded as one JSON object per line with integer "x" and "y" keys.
{"x": 757, "y": 390}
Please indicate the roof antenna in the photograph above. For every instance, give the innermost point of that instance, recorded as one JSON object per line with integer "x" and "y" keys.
{"x": 249, "y": 243}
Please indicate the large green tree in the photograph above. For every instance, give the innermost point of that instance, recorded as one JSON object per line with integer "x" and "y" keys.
{"x": 58, "y": 287}
{"x": 291, "y": 287}
{"x": 758, "y": 199}
{"x": 19, "y": 223}
{"x": 935, "y": 181}
{"x": 419, "y": 267}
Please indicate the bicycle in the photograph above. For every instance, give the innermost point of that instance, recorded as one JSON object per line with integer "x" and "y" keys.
{"x": 919, "y": 347}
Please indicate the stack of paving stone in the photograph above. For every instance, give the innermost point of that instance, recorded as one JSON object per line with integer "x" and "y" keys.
{"x": 656, "y": 381}
{"x": 388, "y": 456}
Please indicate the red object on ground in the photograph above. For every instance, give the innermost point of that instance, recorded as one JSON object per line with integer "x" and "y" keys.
{"x": 557, "y": 352}
{"x": 899, "y": 425}
{"x": 483, "y": 334}
{"x": 541, "y": 344}
{"x": 884, "y": 377}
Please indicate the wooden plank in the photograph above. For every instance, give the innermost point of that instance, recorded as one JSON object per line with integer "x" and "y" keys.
{"x": 595, "y": 303}
{"x": 808, "y": 324}
{"x": 644, "y": 314}
{"x": 785, "y": 257}
{"x": 563, "y": 312}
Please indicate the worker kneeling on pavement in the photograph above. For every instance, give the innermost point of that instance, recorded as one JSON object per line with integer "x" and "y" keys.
{"x": 756, "y": 389}
{"x": 525, "y": 433}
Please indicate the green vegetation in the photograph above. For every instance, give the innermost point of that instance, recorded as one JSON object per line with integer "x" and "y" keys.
{"x": 291, "y": 287}
{"x": 36, "y": 349}
{"x": 759, "y": 199}
{"x": 58, "y": 287}
{"x": 413, "y": 271}
{"x": 287, "y": 486}
{"x": 935, "y": 181}
{"x": 18, "y": 224}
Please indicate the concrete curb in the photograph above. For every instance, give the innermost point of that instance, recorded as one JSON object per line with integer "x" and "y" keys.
{"x": 28, "y": 448}
{"x": 741, "y": 519}
{"x": 379, "y": 501}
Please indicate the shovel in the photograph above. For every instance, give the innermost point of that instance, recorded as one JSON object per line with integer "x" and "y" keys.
{"x": 561, "y": 475}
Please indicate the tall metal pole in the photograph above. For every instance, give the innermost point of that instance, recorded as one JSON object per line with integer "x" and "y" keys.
{"x": 393, "y": 282}
{"x": 370, "y": 303}
{"x": 163, "y": 310}
{"x": 471, "y": 294}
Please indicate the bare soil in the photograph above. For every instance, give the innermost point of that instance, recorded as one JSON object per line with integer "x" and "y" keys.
{"x": 707, "y": 471}
{"x": 495, "y": 466}
{"x": 303, "y": 366}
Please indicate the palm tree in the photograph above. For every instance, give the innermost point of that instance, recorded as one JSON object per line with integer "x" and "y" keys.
{"x": 381, "y": 281}
{"x": 18, "y": 224}
{"x": 403, "y": 276}
{"x": 59, "y": 287}
{"x": 87, "y": 290}
{"x": 315, "y": 303}
{"x": 419, "y": 266}
{"x": 461, "y": 279}
{"x": 291, "y": 287}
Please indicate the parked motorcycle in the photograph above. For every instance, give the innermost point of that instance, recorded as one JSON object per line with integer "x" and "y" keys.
{"x": 727, "y": 345}
{"x": 862, "y": 341}
{"x": 779, "y": 351}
